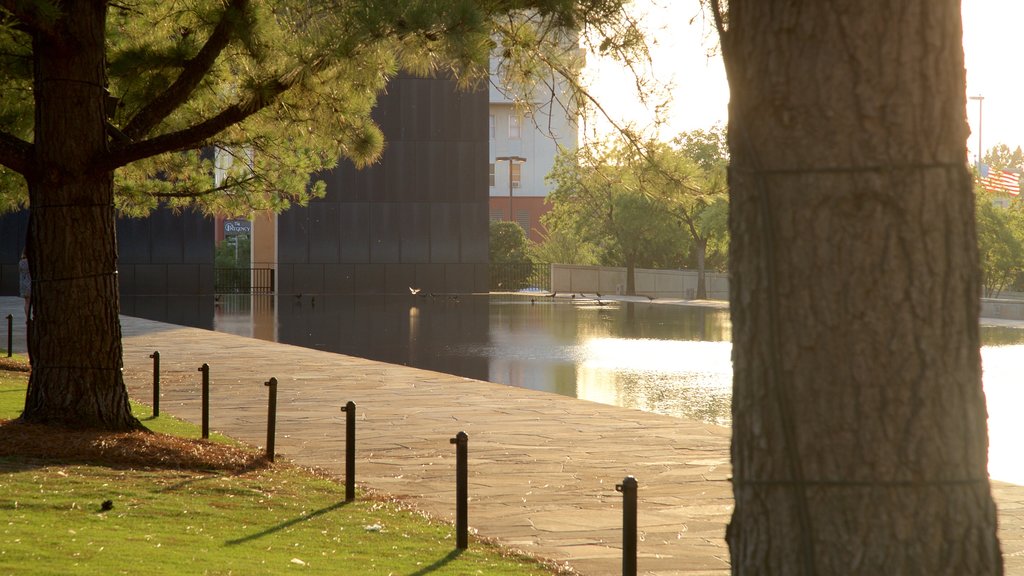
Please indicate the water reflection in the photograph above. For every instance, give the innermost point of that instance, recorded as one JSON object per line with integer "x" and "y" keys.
{"x": 671, "y": 360}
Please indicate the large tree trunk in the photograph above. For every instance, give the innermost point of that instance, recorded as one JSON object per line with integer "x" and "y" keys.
{"x": 701, "y": 247}
{"x": 859, "y": 425}
{"x": 74, "y": 334}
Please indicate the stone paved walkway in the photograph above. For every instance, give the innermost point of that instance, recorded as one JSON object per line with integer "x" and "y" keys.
{"x": 543, "y": 467}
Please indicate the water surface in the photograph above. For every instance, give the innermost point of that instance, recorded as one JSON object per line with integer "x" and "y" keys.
{"x": 666, "y": 359}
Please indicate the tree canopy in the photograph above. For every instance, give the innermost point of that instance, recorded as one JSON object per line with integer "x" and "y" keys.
{"x": 654, "y": 205}
{"x": 114, "y": 108}
{"x": 280, "y": 90}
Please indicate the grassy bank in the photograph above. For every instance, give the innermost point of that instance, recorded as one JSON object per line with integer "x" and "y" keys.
{"x": 149, "y": 504}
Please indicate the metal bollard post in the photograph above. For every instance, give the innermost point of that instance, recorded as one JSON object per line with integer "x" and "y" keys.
{"x": 271, "y": 417}
{"x": 350, "y": 450}
{"x": 10, "y": 335}
{"x": 461, "y": 442}
{"x": 205, "y": 369}
{"x": 156, "y": 382}
{"x": 628, "y": 489}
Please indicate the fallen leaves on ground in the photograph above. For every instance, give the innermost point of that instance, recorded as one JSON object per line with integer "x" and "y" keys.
{"x": 139, "y": 448}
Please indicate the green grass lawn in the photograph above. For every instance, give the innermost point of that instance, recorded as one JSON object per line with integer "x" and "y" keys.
{"x": 275, "y": 520}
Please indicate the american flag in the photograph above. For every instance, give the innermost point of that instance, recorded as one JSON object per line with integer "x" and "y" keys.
{"x": 995, "y": 180}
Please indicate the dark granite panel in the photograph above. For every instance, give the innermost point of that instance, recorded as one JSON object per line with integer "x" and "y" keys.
{"x": 324, "y": 233}
{"x": 458, "y": 278}
{"x": 285, "y": 278}
{"x": 368, "y": 279}
{"x": 309, "y": 278}
{"x": 444, "y": 119}
{"x": 430, "y": 277}
{"x": 198, "y": 235}
{"x": 398, "y": 278}
{"x": 133, "y": 241}
{"x": 481, "y": 175}
{"x": 384, "y": 234}
{"x": 474, "y": 226}
{"x": 414, "y": 225}
{"x": 444, "y": 227}
{"x": 293, "y": 236}
{"x": 354, "y": 232}
{"x": 150, "y": 279}
{"x": 205, "y": 278}
{"x": 12, "y": 236}
{"x": 182, "y": 279}
{"x": 9, "y": 279}
{"x": 339, "y": 279}
{"x": 418, "y": 171}
{"x": 167, "y": 242}
{"x": 439, "y": 173}
{"x": 395, "y": 173}
{"x": 125, "y": 279}
{"x": 411, "y": 108}
{"x": 472, "y": 180}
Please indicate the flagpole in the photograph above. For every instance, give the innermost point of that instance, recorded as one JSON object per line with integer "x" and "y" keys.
{"x": 981, "y": 100}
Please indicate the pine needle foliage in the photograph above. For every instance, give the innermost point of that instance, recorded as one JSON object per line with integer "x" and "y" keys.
{"x": 272, "y": 92}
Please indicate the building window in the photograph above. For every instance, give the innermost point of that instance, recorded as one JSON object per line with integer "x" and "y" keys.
{"x": 497, "y": 214}
{"x": 492, "y": 130}
{"x": 515, "y": 126}
{"x": 517, "y": 174}
{"x": 523, "y": 219}
{"x": 491, "y": 175}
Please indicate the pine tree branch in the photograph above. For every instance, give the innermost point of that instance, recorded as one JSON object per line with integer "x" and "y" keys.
{"x": 37, "y": 18}
{"x": 15, "y": 153}
{"x": 193, "y": 73}
{"x": 188, "y": 138}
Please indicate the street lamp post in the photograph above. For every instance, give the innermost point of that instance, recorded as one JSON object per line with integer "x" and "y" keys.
{"x": 981, "y": 100}
{"x": 511, "y": 160}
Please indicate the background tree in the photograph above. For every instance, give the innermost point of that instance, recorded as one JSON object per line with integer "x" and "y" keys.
{"x": 508, "y": 243}
{"x": 95, "y": 93}
{"x": 1000, "y": 244}
{"x": 599, "y": 198}
{"x": 859, "y": 428}
{"x": 688, "y": 179}
{"x": 562, "y": 247}
{"x": 1000, "y": 156}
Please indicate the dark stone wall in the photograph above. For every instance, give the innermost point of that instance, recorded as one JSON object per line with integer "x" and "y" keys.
{"x": 416, "y": 218}
{"x": 165, "y": 265}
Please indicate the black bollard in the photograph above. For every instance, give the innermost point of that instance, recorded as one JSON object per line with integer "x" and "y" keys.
{"x": 271, "y": 417}
{"x": 205, "y": 369}
{"x": 156, "y": 382}
{"x": 10, "y": 335}
{"x": 628, "y": 489}
{"x": 350, "y": 450}
{"x": 461, "y": 442}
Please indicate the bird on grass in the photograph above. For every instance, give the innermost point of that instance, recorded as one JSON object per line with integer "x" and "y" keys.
{"x": 107, "y": 505}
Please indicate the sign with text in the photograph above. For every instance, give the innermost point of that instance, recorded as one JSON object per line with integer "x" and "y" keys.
{"x": 237, "y": 227}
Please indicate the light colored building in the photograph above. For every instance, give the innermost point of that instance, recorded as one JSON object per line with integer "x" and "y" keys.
{"x": 523, "y": 146}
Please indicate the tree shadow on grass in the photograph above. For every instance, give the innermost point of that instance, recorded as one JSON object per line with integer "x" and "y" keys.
{"x": 440, "y": 563}
{"x": 286, "y": 524}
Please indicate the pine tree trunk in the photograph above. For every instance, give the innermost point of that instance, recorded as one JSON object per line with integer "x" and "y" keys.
{"x": 859, "y": 423}
{"x": 701, "y": 248}
{"x": 74, "y": 335}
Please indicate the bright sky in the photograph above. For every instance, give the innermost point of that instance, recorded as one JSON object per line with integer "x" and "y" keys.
{"x": 683, "y": 38}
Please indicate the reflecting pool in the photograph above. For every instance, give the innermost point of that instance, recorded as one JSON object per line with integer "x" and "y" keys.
{"x": 659, "y": 358}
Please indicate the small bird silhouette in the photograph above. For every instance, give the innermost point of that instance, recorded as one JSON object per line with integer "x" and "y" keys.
{"x": 414, "y": 291}
{"x": 107, "y": 505}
